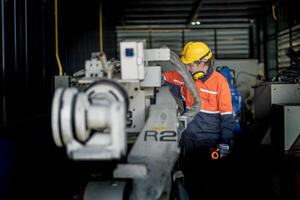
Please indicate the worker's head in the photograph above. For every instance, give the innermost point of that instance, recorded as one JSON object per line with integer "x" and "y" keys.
{"x": 197, "y": 57}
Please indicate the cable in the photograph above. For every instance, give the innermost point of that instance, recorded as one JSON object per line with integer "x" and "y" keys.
{"x": 60, "y": 69}
{"x": 288, "y": 75}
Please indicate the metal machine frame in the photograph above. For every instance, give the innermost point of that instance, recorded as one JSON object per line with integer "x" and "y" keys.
{"x": 93, "y": 123}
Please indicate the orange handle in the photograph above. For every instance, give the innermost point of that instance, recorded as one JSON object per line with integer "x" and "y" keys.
{"x": 215, "y": 154}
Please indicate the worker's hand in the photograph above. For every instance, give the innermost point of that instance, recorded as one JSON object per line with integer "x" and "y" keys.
{"x": 224, "y": 150}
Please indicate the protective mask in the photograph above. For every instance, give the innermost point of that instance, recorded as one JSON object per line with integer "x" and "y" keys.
{"x": 198, "y": 75}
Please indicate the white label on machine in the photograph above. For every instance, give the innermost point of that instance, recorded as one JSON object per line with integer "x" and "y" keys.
{"x": 132, "y": 60}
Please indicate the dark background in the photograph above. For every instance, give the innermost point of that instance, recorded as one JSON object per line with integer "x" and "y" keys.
{"x": 31, "y": 166}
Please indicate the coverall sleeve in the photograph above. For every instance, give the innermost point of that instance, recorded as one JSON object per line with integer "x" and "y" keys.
{"x": 172, "y": 77}
{"x": 225, "y": 108}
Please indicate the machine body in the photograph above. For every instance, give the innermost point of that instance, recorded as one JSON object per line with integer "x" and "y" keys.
{"x": 94, "y": 119}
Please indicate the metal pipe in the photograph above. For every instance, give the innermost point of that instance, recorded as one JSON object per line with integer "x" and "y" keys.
{"x": 3, "y": 20}
{"x": 43, "y": 64}
{"x": 15, "y": 37}
{"x": 189, "y": 82}
{"x": 56, "y": 40}
{"x": 3, "y": 41}
{"x": 103, "y": 60}
{"x": 195, "y": 12}
{"x": 26, "y": 43}
{"x": 100, "y": 27}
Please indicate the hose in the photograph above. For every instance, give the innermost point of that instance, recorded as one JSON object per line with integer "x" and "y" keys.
{"x": 189, "y": 82}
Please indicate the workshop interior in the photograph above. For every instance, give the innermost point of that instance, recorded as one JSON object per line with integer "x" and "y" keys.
{"x": 85, "y": 113}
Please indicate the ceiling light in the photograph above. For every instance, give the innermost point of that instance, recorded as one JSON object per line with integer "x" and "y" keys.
{"x": 195, "y": 23}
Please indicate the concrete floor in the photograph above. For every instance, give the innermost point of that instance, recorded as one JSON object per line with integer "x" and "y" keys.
{"x": 37, "y": 169}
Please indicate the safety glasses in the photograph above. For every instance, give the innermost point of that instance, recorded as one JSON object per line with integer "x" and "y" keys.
{"x": 198, "y": 62}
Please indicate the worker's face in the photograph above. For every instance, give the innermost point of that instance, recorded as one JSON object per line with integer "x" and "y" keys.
{"x": 196, "y": 67}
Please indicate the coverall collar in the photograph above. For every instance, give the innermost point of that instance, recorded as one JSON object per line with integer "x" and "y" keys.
{"x": 210, "y": 70}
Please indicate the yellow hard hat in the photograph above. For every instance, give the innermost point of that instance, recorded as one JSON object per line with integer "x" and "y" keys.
{"x": 194, "y": 51}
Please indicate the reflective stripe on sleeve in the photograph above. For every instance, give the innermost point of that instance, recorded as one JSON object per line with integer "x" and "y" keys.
{"x": 177, "y": 81}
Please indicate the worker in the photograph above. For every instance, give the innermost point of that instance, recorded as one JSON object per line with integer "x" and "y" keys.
{"x": 212, "y": 127}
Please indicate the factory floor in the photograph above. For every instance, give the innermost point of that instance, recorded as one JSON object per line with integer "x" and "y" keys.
{"x": 237, "y": 178}
{"x": 252, "y": 172}
{"x": 34, "y": 168}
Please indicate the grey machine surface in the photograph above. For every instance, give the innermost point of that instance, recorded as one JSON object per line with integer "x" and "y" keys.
{"x": 94, "y": 123}
{"x": 285, "y": 125}
{"x": 267, "y": 94}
